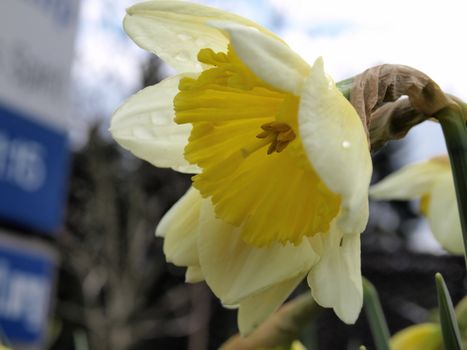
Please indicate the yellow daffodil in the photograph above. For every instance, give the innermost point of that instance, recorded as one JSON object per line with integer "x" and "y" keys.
{"x": 296, "y": 345}
{"x": 281, "y": 160}
{"x": 425, "y": 336}
{"x": 432, "y": 182}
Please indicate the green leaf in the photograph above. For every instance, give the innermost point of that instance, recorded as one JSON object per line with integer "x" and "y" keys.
{"x": 375, "y": 315}
{"x": 447, "y": 316}
{"x": 453, "y": 124}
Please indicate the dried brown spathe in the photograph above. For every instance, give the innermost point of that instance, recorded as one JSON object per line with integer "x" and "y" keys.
{"x": 377, "y": 95}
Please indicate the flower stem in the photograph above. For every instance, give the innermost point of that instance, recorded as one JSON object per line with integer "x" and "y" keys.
{"x": 280, "y": 329}
{"x": 345, "y": 86}
{"x": 453, "y": 123}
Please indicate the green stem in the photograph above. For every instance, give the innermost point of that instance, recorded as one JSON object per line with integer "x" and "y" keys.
{"x": 345, "y": 86}
{"x": 375, "y": 315}
{"x": 453, "y": 123}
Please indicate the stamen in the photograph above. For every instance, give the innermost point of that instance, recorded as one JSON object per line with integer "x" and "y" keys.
{"x": 278, "y": 134}
{"x": 254, "y": 146}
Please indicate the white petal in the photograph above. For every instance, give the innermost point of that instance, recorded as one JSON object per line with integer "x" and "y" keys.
{"x": 177, "y": 30}
{"x": 336, "y": 145}
{"x": 235, "y": 270}
{"x": 336, "y": 280}
{"x": 144, "y": 125}
{"x": 410, "y": 182}
{"x": 194, "y": 274}
{"x": 443, "y": 215}
{"x": 255, "y": 309}
{"x": 270, "y": 59}
{"x": 179, "y": 227}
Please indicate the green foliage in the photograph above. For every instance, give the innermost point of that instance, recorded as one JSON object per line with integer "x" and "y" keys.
{"x": 449, "y": 326}
{"x": 375, "y": 315}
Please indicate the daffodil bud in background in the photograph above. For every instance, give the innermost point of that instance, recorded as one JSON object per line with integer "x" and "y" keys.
{"x": 281, "y": 160}
{"x": 425, "y": 336}
{"x": 428, "y": 336}
{"x": 432, "y": 182}
{"x": 296, "y": 345}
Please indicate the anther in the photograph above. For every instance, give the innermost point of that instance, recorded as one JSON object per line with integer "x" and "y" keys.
{"x": 280, "y": 135}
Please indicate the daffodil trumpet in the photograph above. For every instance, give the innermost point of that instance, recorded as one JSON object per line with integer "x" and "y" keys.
{"x": 280, "y": 159}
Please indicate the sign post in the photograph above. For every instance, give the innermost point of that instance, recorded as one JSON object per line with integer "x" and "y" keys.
{"x": 27, "y": 271}
{"x": 36, "y": 53}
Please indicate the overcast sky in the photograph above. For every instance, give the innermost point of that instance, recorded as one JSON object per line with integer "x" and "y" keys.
{"x": 350, "y": 35}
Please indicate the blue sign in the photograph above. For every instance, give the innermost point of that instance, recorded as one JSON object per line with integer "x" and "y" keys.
{"x": 26, "y": 277}
{"x": 33, "y": 172}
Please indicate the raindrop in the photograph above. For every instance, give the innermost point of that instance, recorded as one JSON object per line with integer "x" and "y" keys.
{"x": 184, "y": 36}
{"x": 182, "y": 56}
{"x": 345, "y": 144}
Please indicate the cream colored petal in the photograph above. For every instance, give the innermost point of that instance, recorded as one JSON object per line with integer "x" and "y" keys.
{"x": 256, "y": 308}
{"x": 179, "y": 227}
{"x": 336, "y": 145}
{"x": 144, "y": 125}
{"x": 194, "y": 274}
{"x": 443, "y": 215}
{"x": 410, "y": 182}
{"x": 235, "y": 270}
{"x": 336, "y": 281}
{"x": 177, "y": 30}
{"x": 425, "y": 336}
{"x": 270, "y": 59}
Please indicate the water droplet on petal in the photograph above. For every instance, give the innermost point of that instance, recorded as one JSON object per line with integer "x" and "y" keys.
{"x": 182, "y": 56}
{"x": 346, "y": 144}
{"x": 184, "y": 36}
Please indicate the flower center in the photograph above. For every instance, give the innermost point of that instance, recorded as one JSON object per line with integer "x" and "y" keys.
{"x": 260, "y": 182}
{"x": 279, "y": 135}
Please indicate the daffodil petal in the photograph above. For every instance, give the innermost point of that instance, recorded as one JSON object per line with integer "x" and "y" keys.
{"x": 336, "y": 280}
{"x": 235, "y": 270}
{"x": 443, "y": 215}
{"x": 194, "y": 274}
{"x": 426, "y": 336}
{"x": 410, "y": 182}
{"x": 270, "y": 59}
{"x": 336, "y": 144}
{"x": 179, "y": 228}
{"x": 177, "y": 30}
{"x": 144, "y": 125}
{"x": 255, "y": 309}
